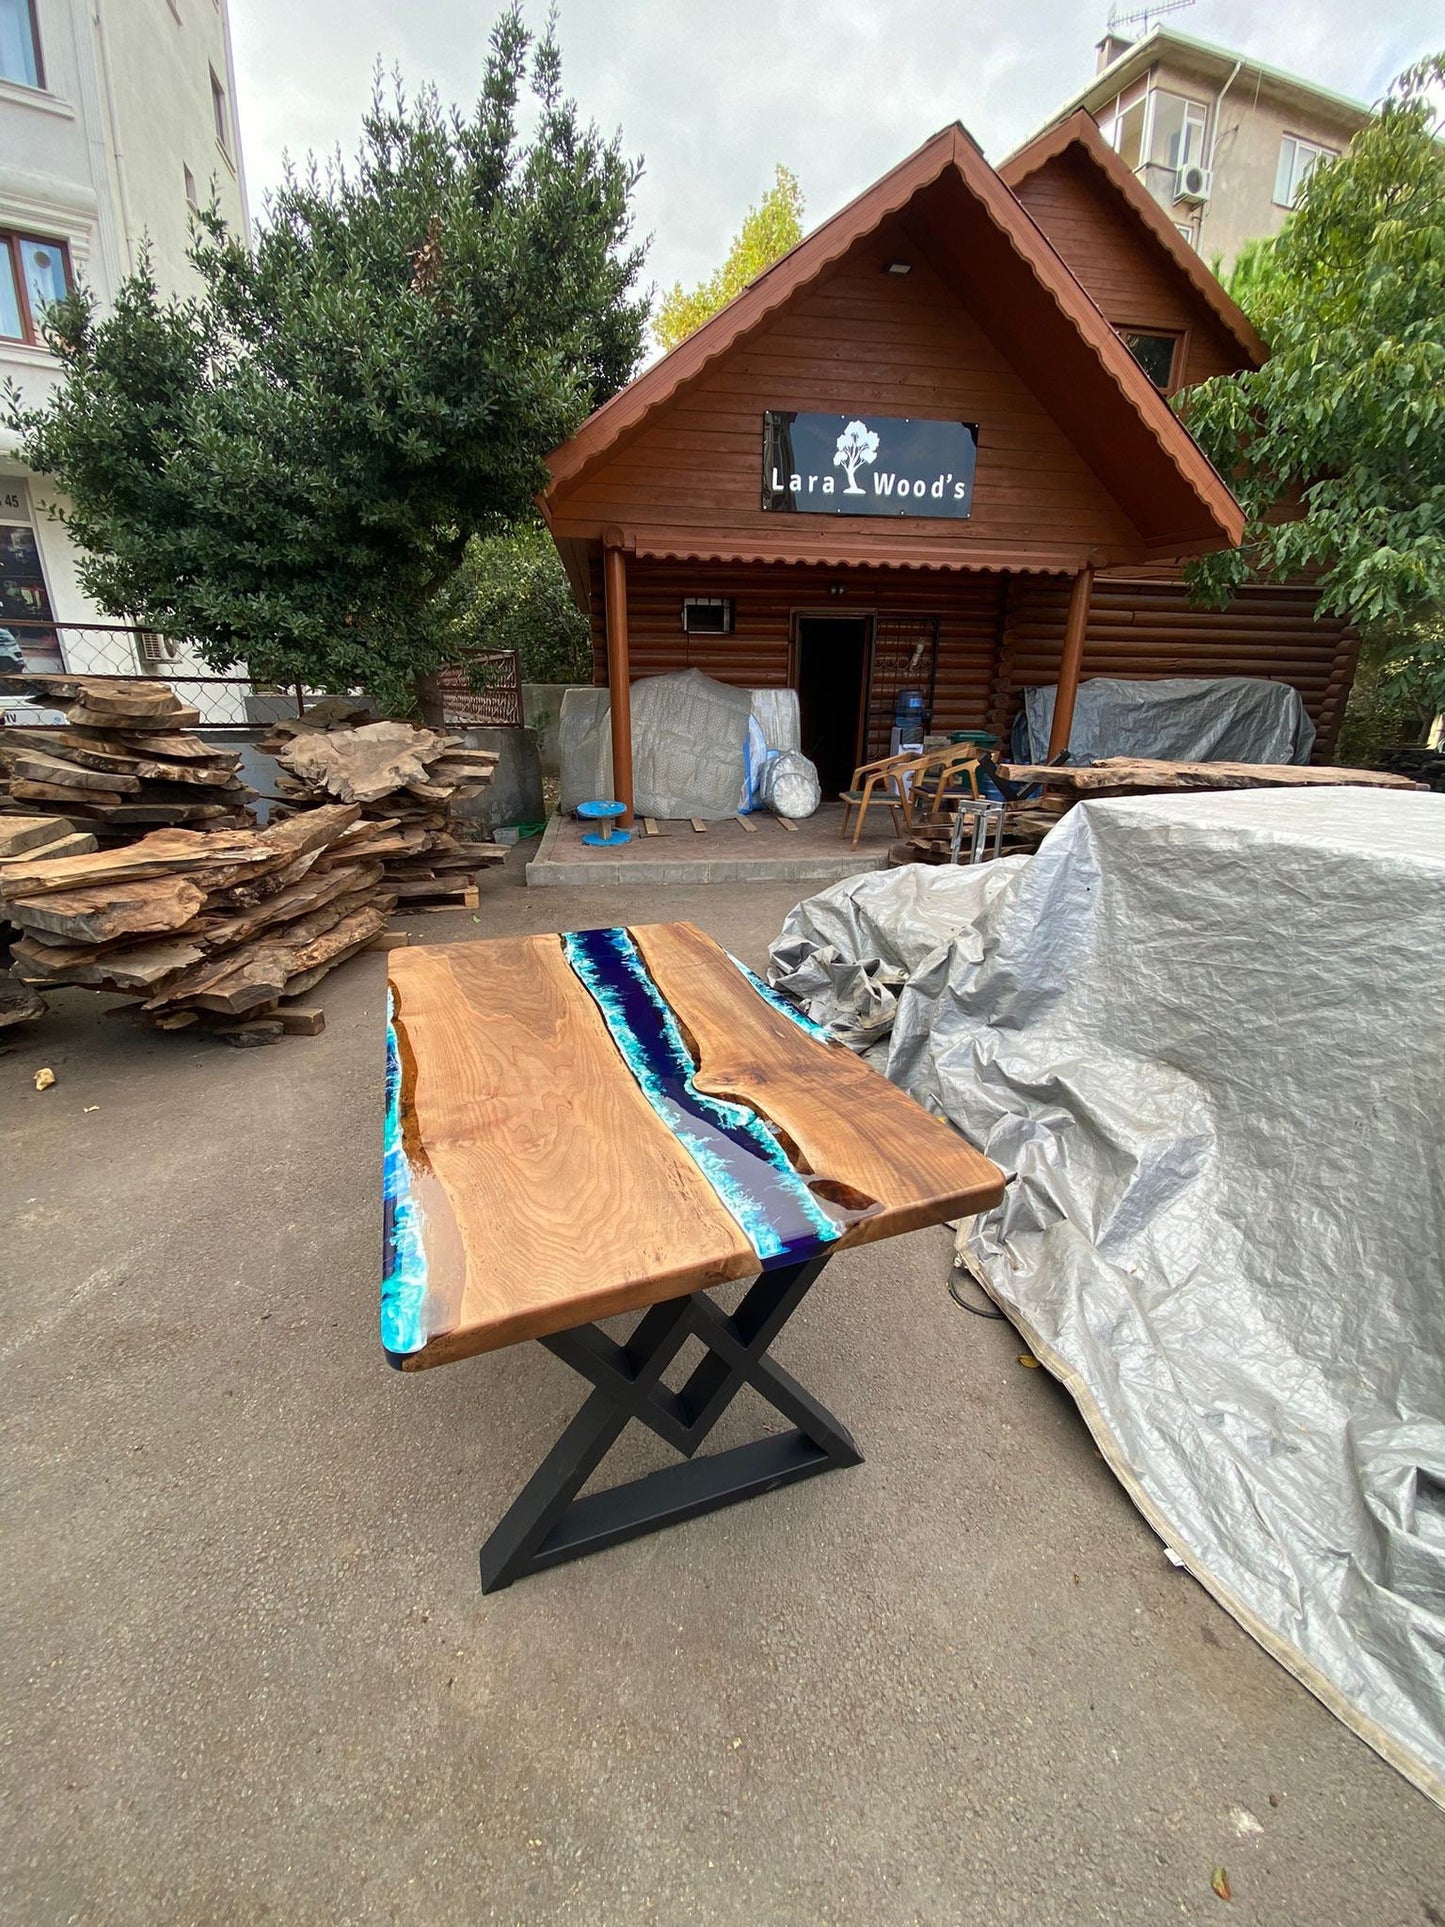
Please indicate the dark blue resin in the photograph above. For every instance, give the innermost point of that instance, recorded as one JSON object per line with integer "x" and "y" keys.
{"x": 737, "y": 1151}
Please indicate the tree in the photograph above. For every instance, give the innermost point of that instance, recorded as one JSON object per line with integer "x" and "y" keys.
{"x": 511, "y": 592}
{"x": 289, "y": 466}
{"x": 769, "y": 230}
{"x": 1335, "y": 447}
{"x": 857, "y": 444}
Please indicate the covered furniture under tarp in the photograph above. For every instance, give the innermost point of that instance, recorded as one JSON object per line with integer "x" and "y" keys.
{"x": 698, "y": 745}
{"x": 1205, "y": 1036}
{"x": 1239, "y": 719}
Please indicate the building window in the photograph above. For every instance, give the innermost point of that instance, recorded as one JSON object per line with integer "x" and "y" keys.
{"x": 20, "y": 44}
{"x": 218, "y": 108}
{"x": 1297, "y": 161}
{"x": 1176, "y": 130}
{"x": 33, "y": 273}
{"x": 190, "y": 187}
{"x": 1185, "y": 231}
{"x": 1156, "y": 129}
{"x": 1155, "y": 353}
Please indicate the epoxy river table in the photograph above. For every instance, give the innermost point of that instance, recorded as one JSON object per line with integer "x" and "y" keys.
{"x": 619, "y": 1120}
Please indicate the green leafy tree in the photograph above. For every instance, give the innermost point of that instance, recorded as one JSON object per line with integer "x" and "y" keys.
{"x": 1336, "y": 447}
{"x": 511, "y": 592}
{"x": 769, "y": 230}
{"x": 289, "y": 466}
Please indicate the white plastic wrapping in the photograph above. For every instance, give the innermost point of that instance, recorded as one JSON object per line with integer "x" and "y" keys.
{"x": 789, "y": 786}
{"x": 1205, "y": 1036}
{"x": 1188, "y": 719}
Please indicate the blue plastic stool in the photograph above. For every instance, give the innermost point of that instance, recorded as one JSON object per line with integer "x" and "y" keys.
{"x": 603, "y": 812}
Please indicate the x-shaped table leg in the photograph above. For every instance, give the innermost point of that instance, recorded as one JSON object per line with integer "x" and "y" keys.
{"x": 548, "y": 1523}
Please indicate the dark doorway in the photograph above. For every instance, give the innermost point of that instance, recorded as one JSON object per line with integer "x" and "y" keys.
{"x": 831, "y": 661}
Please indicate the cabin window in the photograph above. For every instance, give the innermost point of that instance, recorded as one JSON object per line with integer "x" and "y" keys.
{"x": 1155, "y": 354}
{"x": 33, "y": 273}
{"x": 707, "y": 615}
{"x": 20, "y": 44}
{"x": 1297, "y": 161}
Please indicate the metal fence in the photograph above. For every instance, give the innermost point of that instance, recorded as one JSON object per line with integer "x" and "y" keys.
{"x": 483, "y": 691}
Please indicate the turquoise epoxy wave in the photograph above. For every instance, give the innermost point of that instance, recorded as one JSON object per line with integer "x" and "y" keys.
{"x": 404, "y": 1271}
{"x": 736, "y": 1150}
{"x": 780, "y": 1003}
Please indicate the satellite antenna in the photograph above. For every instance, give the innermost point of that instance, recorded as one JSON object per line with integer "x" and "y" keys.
{"x": 1145, "y": 15}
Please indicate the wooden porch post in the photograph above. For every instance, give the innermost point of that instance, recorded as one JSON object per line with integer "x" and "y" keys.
{"x": 614, "y": 567}
{"x": 1071, "y": 661}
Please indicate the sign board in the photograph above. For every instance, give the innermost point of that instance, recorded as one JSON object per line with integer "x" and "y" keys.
{"x": 868, "y": 465}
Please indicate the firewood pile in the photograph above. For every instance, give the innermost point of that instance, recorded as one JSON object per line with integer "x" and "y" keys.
{"x": 216, "y": 929}
{"x": 122, "y": 764}
{"x": 407, "y": 782}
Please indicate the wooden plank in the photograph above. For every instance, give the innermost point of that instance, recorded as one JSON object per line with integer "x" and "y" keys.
{"x": 747, "y": 823}
{"x": 698, "y": 824}
{"x": 854, "y": 1129}
{"x": 389, "y": 940}
{"x": 552, "y": 1192}
{"x": 649, "y": 824}
{"x": 301, "y": 1020}
{"x": 19, "y": 834}
{"x": 786, "y": 823}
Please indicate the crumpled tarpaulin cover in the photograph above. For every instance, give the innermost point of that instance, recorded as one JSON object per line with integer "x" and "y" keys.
{"x": 847, "y": 953}
{"x": 1205, "y": 1036}
{"x": 688, "y": 743}
{"x": 1186, "y": 719}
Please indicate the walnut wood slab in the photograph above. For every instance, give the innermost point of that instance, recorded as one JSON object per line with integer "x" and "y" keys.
{"x": 589, "y": 1124}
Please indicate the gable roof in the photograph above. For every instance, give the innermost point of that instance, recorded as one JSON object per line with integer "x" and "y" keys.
{"x": 1080, "y": 133}
{"x": 1019, "y": 286}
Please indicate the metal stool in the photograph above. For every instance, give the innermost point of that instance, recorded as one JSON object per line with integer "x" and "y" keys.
{"x": 603, "y": 812}
{"x": 985, "y": 817}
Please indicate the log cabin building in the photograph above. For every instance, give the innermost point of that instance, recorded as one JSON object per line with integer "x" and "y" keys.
{"x": 924, "y": 450}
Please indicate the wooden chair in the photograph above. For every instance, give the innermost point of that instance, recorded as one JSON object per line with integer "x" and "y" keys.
{"x": 950, "y": 777}
{"x": 882, "y": 782}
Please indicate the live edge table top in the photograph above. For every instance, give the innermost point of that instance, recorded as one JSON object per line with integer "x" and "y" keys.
{"x": 588, "y": 1124}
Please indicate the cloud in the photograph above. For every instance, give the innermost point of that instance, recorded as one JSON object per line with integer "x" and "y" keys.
{"x": 713, "y": 93}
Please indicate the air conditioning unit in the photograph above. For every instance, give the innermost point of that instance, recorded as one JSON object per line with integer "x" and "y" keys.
{"x": 1194, "y": 184}
{"x": 707, "y": 615}
{"x": 157, "y": 649}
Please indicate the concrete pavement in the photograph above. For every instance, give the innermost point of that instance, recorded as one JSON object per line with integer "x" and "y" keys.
{"x": 248, "y": 1674}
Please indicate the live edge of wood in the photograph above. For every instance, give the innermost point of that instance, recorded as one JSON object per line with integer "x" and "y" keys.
{"x": 552, "y": 1194}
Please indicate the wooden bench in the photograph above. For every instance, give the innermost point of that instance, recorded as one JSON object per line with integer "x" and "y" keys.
{"x": 615, "y": 1121}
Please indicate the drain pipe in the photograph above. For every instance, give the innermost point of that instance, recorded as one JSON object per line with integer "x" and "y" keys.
{"x": 1218, "y": 111}
{"x": 118, "y": 159}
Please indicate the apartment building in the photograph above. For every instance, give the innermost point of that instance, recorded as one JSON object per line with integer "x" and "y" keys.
{"x": 1222, "y": 142}
{"x": 117, "y": 119}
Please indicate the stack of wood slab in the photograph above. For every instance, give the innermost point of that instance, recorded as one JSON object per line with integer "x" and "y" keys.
{"x": 29, "y": 838}
{"x": 121, "y": 764}
{"x": 212, "y": 928}
{"x": 408, "y": 782}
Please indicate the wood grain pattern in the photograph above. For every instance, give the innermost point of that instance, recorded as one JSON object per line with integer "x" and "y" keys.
{"x": 552, "y": 1193}
{"x": 561, "y": 1194}
{"x": 852, "y": 1127}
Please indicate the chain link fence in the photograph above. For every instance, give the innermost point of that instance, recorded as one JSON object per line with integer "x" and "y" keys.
{"x": 484, "y": 690}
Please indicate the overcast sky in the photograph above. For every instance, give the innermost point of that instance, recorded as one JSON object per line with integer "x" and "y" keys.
{"x": 714, "y": 93}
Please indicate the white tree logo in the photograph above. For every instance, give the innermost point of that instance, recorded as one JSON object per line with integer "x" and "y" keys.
{"x": 857, "y": 444}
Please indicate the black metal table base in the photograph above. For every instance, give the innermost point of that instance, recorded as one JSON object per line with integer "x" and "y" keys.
{"x": 548, "y": 1524}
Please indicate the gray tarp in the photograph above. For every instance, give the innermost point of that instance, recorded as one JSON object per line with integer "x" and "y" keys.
{"x": 688, "y": 736}
{"x": 1205, "y": 1036}
{"x": 1188, "y": 719}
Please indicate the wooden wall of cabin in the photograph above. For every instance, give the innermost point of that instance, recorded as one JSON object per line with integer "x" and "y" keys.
{"x": 970, "y": 608}
{"x": 1146, "y": 629}
{"x": 998, "y": 635}
{"x": 1123, "y": 267}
